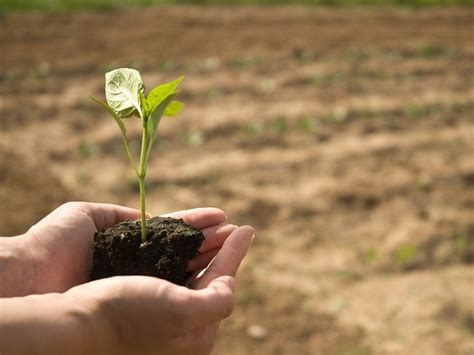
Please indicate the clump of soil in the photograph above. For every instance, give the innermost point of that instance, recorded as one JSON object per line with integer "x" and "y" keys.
{"x": 169, "y": 246}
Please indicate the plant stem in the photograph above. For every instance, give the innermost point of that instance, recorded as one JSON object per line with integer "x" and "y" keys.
{"x": 141, "y": 180}
{"x": 130, "y": 156}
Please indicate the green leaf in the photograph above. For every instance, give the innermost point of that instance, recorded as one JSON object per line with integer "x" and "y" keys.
{"x": 145, "y": 107}
{"x": 174, "y": 108}
{"x": 113, "y": 114}
{"x": 123, "y": 129}
{"x": 127, "y": 113}
{"x": 158, "y": 94}
{"x": 122, "y": 90}
{"x": 156, "y": 115}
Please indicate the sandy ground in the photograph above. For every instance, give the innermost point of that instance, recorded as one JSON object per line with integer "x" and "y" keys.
{"x": 344, "y": 136}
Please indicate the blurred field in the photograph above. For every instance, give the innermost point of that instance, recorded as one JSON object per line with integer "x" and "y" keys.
{"x": 344, "y": 136}
{"x": 106, "y": 5}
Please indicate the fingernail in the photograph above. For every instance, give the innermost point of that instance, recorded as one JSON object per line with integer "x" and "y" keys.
{"x": 229, "y": 225}
{"x": 250, "y": 228}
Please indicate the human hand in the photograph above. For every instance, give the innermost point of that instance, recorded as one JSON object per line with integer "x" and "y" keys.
{"x": 56, "y": 252}
{"x": 148, "y": 315}
{"x": 129, "y": 314}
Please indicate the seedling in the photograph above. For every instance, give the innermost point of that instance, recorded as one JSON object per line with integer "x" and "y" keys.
{"x": 194, "y": 138}
{"x": 280, "y": 125}
{"x": 308, "y": 124}
{"x": 159, "y": 246}
{"x": 406, "y": 254}
{"x": 125, "y": 98}
{"x": 254, "y": 128}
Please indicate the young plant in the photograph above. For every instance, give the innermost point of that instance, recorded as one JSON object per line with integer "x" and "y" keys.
{"x": 125, "y": 96}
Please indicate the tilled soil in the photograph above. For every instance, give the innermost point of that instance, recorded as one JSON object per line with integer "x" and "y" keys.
{"x": 344, "y": 136}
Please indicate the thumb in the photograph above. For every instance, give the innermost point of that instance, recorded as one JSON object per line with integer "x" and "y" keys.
{"x": 223, "y": 284}
{"x": 106, "y": 215}
{"x": 216, "y": 301}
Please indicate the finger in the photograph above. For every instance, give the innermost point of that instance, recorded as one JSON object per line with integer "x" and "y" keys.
{"x": 106, "y": 215}
{"x": 215, "y": 236}
{"x": 200, "y": 218}
{"x": 229, "y": 257}
{"x": 214, "y": 302}
{"x": 202, "y": 261}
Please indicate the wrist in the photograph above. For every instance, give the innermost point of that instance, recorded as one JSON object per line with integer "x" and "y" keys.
{"x": 88, "y": 310}
{"x": 84, "y": 317}
{"x": 45, "y": 324}
{"x": 16, "y": 273}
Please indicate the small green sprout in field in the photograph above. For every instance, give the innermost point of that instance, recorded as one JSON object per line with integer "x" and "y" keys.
{"x": 41, "y": 71}
{"x": 86, "y": 150}
{"x": 414, "y": 111}
{"x": 432, "y": 51}
{"x": 371, "y": 255}
{"x": 339, "y": 114}
{"x": 11, "y": 76}
{"x": 254, "y": 128}
{"x": 425, "y": 182}
{"x": 214, "y": 92}
{"x": 302, "y": 55}
{"x": 357, "y": 55}
{"x": 326, "y": 79}
{"x": 212, "y": 63}
{"x": 194, "y": 138}
{"x": 83, "y": 177}
{"x": 461, "y": 242}
{"x": 245, "y": 62}
{"x": 309, "y": 124}
{"x": 406, "y": 254}
{"x": 125, "y": 95}
{"x": 280, "y": 125}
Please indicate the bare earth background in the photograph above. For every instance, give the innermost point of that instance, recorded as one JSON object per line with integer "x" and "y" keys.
{"x": 344, "y": 136}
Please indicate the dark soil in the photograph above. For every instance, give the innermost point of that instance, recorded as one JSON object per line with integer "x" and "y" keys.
{"x": 170, "y": 245}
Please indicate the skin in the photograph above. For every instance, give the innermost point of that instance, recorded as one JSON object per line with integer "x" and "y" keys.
{"x": 45, "y": 292}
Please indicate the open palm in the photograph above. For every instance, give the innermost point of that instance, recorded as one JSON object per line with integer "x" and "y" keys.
{"x": 59, "y": 246}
